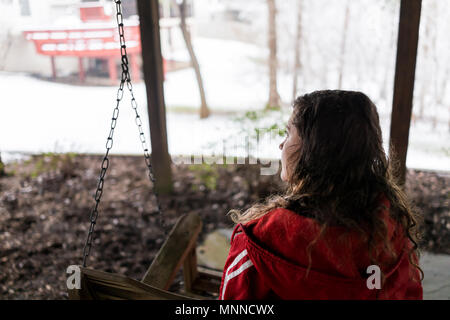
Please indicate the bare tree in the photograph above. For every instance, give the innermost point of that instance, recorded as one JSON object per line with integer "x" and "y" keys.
{"x": 297, "y": 49}
{"x": 387, "y": 66}
{"x": 343, "y": 43}
{"x": 428, "y": 45}
{"x": 181, "y": 4}
{"x": 6, "y": 47}
{"x": 2, "y": 167}
{"x": 274, "y": 97}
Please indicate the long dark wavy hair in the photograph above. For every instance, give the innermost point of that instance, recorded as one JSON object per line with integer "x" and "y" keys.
{"x": 340, "y": 170}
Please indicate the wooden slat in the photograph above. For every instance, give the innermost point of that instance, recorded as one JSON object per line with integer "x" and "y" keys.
{"x": 196, "y": 296}
{"x": 211, "y": 273}
{"x": 207, "y": 280}
{"x": 104, "y": 285}
{"x": 181, "y": 240}
{"x": 408, "y": 35}
{"x": 190, "y": 270}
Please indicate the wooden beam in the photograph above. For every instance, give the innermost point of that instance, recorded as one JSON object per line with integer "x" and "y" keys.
{"x": 148, "y": 11}
{"x": 408, "y": 36}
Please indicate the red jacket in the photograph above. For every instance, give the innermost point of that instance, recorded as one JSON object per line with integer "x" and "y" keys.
{"x": 268, "y": 260}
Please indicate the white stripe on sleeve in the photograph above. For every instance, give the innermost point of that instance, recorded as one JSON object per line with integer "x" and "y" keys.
{"x": 238, "y": 271}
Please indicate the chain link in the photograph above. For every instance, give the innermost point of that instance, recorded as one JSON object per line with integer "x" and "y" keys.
{"x": 125, "y": 78}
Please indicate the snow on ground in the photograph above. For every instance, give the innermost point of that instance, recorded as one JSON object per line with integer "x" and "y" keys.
{"x": 42, "y": 116}
{"x": 232, "y": 79}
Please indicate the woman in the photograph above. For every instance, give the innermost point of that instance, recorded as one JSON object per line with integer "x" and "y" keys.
{"x": 343, "y": 229}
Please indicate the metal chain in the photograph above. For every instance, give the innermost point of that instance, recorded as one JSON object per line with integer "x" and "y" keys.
{"x": 125, "y": 78}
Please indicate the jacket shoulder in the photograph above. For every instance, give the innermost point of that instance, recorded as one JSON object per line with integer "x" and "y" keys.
{"x": 284, "y": 225}
{"x": 289, "y": 235}
{"x": 284, "y": 233}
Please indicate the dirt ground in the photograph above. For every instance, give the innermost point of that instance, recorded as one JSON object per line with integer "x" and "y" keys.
{"x": 45, "y": 204}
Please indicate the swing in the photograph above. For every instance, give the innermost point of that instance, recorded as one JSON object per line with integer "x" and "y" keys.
{"x": 178, "y": 249}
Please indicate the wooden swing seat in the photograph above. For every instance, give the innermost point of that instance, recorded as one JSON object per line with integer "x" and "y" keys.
{"x": 178, "y": 250}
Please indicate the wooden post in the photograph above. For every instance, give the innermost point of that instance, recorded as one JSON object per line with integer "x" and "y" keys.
{"x": 52, "y": 62}
{"x": 153, "y": 76}
{"x": 408, "y": 36}
{"x": 81, "y": 74}
{"x": 112, "y": 69}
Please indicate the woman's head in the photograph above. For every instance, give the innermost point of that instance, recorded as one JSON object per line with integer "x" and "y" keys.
{"x": 333, "y": 143}
{"x": 336, "y": 168}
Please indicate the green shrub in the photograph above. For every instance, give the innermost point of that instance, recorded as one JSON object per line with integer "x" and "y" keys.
{"x": 207, "y": 174}
{"x": 47, "y": 162}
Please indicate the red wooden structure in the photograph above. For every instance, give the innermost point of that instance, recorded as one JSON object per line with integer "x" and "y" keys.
{"x": 93, "y": 12}
{"x": 95, "y": 37}
{"x": 88, "y": 41}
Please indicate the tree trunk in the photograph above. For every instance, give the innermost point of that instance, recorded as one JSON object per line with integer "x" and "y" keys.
{"x": 274, "y": 97}
{"x": 384, "y": 86}
{"x": 343, "y": 44}
{"x": 2, "y": 167}
{"x": 204, "y": 110}
{"x": 6, "y": 48}
{"x": 297, "y": 44}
